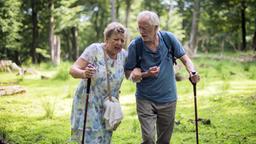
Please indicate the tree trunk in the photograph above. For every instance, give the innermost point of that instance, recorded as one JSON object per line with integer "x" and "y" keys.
{"x": 127, "y": 15}
{"x": 51, "y": 29}
{"x": 254, "y": 37}
{"x": 54, "y": 41}
{"x": 243, "y": 21}
{"x": 34, "y": 31}
{"x": 194, "y": 28}
{"x": 118, "y": 6}
{"x": 166, "y": 27}
{"x": 56, "y": 50}
{"x": 66, "y": 35}
{"x": 75, "y": 48}
{"x": 170, "y": 9}
{"x": 113, "y": 10}
{"x": 17, "y": 58}
{"x": 97, "y": 25}
{"x": 127, "y": 11}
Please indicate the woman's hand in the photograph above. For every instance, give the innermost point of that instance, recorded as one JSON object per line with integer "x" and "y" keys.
{"x": 89, "y": 71}
{"x": 136, "y": 75}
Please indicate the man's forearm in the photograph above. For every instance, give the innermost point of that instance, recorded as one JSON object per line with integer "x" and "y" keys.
{"x": 188, "y": 64}
{"x": 145, "y": 74}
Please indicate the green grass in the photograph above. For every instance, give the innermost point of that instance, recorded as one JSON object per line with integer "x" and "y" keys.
{"x": 226, "y": 96}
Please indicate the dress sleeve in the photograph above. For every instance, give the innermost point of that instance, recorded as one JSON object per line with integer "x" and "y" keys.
{"x": 89, "y": 53}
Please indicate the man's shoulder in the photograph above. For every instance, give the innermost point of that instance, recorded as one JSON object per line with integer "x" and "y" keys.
{"x": 167, "y": 34}
{"x": 137, "y": 39}
{"x": 132, "y": 43}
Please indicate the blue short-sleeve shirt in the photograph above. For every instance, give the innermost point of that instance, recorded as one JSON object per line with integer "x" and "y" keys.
{"x": 161, "y": 88}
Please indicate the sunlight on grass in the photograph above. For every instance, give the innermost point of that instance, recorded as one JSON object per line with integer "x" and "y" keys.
{"x": 127, "y": 87}
{"x": 226, "y": 96}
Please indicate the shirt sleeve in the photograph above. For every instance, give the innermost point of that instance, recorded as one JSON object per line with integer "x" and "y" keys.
{"x": 131, "y": 58}
{"x": 179, "y": 51}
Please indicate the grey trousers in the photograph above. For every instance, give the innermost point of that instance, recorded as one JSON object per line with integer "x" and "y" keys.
{"x": 154, "y": 116}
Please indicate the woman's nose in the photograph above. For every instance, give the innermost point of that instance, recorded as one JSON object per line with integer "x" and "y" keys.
{"x": 120, "y": 42}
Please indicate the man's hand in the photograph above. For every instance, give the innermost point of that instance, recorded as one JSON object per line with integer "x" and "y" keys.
{"x": 194, "y": 77}
{"x": 136, "y": 75}
{"x": 153, "y": 71}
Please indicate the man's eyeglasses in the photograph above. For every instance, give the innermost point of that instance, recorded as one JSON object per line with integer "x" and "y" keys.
{"x": 146, "y": 28}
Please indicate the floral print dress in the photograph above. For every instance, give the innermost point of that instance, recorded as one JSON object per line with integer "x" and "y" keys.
{"x": 95, "y": 126}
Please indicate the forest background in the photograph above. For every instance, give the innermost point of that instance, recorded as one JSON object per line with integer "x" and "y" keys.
{"x": 34, "y": 31}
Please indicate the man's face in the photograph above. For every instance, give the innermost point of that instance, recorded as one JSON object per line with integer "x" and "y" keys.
{"x": 147, "y": 31}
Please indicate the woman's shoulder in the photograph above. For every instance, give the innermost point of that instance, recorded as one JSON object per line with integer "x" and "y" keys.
{"x": 95, "y": 46}
{"x": 91, "y": 51}
{"x": 123, "y": 52}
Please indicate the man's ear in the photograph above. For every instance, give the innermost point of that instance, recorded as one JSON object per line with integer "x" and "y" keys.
{"x": 156, "y": 28}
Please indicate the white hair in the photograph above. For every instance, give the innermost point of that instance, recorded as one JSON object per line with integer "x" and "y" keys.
{"x": 114, "y": 28}
{"x": 153, "y": 17}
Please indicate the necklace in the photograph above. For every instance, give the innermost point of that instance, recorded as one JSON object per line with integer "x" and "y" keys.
{"x": 110, "y": 57}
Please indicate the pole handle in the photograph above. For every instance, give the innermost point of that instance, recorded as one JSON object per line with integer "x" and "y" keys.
{"x": 190, "y": 79}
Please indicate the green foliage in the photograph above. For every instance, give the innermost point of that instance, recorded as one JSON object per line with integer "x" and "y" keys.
{"x": 43, "y": 52}
{"x": 48, "y": 105}
{"x": 10, "y": 23}
{"x": 3, "y": 135}
{"x": 250, "y": 68}
{"x": 63, "y": 72}
{"x": 127, "y": 87}
{"x": 157, "y": 6}
{"x": 173, "y": 24}
{"x": 218, "y": 29}
{"x": 226, "y": 85}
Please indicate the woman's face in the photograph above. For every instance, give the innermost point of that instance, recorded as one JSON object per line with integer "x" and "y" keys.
{"x": 115, "y": 42}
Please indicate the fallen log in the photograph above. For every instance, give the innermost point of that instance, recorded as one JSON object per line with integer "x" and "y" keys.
{"x": 9, "y": 66}
{"x": 11, "y": 90}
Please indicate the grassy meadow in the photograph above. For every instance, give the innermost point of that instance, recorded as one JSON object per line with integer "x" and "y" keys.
{"x": 226, "y": 97}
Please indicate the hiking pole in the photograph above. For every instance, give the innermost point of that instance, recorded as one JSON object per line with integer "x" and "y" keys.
{"x": 86, "y": 106}
{"x": 195, "y": 105}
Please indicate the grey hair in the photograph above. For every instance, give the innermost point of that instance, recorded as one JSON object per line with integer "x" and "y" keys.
{"x": 153, "y": 17}
{"x": 114, "y": 28}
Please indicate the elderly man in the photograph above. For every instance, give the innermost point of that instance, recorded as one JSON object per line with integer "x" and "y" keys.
{"x": 149, "y": 64}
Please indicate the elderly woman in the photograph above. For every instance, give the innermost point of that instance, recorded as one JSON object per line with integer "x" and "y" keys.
{"x": 92, "y": 64}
